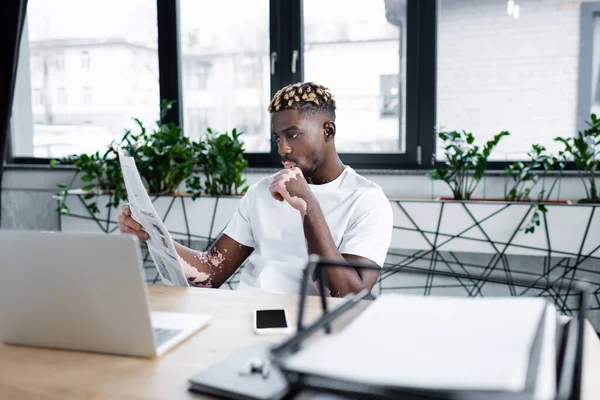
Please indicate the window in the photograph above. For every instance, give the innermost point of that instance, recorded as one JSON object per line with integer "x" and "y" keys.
{"x": 250, "y": 123}
{"x": 248, "y": 72}
{"x": 148, "y": 98}
{"x": 86, "y": 96}
{"x": 198, "y": 74}
{"x": 59, "y": 61}
{"x": 509, "y": 66}
{"x": 85, "y": 59}
{"x": 38, "y": 98}
{"x": 376, "y": 56}
{"x": 62, "y": 35}
{"x": 62, "y": 96}
{"x": 589, "y": 63}
{"x": 390, "y": 101}
{"x": 595, "y": 108}
{"x": 36, "y": 65}
{"x": 197, "y": 122}
{"x": 214, "y": 37}
{"x": 355, "y": 47}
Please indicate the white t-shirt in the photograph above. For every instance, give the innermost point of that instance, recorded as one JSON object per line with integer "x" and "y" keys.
{"x": 357, "y": 211}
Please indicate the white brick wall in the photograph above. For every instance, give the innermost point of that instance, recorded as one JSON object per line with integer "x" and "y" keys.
{"x": 499, "y": 73}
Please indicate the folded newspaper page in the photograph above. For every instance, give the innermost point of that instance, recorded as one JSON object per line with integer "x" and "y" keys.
{"x": 160, "y": 245}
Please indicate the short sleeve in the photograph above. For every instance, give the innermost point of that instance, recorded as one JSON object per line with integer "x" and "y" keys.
{"x": 240, "y": 227}
{"x": 369, "y": 233}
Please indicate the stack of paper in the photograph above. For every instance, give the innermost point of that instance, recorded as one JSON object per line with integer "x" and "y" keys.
{"x": 443, "y": 343}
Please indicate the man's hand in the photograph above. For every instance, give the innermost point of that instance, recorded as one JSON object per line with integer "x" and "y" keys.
{"x": 129, "y": 226}
{"x": 289, "y": 185}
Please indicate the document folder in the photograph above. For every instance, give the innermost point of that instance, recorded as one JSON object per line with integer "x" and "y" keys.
{"x": 569, "y": 345}
{"x": 228, "y": 380}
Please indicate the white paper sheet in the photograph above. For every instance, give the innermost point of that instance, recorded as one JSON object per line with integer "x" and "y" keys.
{"x": 546, "y": 379}
{"x": 160, "y": 245}
{"x": 431, "y": 342}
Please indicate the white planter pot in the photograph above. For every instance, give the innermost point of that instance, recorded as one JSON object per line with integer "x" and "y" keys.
{"x": 458, "y": 226}
{"x": 485, "y": 242}
{"x": 496, "y": 227}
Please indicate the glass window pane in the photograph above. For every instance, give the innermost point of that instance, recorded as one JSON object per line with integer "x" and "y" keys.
{"x": 595, "y": 92}
{"x": 509, "y": 65}
{"x": 357, "y": 48}
{"x": 82, "y": 65}
{"x": 226, "y": 72}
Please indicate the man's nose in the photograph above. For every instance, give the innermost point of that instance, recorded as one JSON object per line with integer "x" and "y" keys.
{"x": 283, "y": 147}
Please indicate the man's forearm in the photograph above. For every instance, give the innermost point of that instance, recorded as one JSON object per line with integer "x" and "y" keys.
{"x": 201, "y": 269}
{"x": 340, "y": 280}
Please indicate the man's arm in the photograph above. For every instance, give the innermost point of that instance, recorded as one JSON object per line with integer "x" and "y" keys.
{"x": 340, "y": 280}
{"x": 203, "y": 269}
{"x": 213, "y": 267}
{"x": 289, "y": 185}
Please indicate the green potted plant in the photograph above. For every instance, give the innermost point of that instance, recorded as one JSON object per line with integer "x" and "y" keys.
{"x": 465, "y": 162}
{"x": 525, "y": 176}
{"x": 220, "y": 158}
{"x": 164, "y": 157}
{"x": 101, "y": 174}
{"x": 584, "y": 151}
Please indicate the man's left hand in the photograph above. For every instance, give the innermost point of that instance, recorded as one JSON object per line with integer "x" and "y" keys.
{"x": 290, "y": 185}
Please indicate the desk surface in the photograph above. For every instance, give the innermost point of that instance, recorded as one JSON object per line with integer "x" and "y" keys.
{"x": 27, "y": 373}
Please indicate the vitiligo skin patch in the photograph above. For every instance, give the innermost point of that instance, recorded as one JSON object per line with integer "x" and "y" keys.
{"x": 213, "y": 258}
{"x": 279, "y": 190}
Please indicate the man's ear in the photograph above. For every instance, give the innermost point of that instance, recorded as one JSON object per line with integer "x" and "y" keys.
{"x": 329, "y": 128}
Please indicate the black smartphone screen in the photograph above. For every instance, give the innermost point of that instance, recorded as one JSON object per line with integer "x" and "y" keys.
{"x": 266, "y": 319}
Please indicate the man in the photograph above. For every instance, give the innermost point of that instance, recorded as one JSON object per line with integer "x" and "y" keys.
{"x": 315, "y": 205}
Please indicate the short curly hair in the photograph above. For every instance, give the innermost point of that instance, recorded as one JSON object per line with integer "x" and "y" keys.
{"x": 307, "y": 98}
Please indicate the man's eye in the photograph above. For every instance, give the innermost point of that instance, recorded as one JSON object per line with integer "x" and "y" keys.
{"x": 293, "y": 135}
{"x": 276, "y": 138}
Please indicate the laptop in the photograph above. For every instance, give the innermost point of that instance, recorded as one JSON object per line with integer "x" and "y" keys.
{"x": 85, "y": 292}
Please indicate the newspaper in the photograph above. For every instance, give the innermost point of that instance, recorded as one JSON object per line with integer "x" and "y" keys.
{"x": 160, "y": 245}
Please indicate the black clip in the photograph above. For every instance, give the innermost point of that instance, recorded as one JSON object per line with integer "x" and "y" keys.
{"x": 257, "y": 366}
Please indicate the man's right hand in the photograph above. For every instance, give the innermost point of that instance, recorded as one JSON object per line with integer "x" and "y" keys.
{"x": 129, "y": 226}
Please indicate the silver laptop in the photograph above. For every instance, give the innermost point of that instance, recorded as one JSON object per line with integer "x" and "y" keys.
{"x": 82, "y": 292}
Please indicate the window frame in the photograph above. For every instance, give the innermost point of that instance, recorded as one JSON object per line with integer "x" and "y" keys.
{"x": 286, "y": 35}
{"x": 421, "y": 28}
{"x": 586, "y": 54}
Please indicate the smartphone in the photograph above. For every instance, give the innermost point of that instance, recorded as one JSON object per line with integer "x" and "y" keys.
{"x": 273, "y": 321}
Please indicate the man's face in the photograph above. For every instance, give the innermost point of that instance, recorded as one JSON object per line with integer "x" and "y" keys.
{"x": 300, "y": 141}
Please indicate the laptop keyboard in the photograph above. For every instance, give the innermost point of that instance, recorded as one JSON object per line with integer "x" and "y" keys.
{"x": 162, "y": 335}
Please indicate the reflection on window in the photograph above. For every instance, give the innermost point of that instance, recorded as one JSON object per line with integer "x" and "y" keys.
{"x": 356, "y": 48}
{"x": 73, "y": 111}
{"x": 225, "y": 56}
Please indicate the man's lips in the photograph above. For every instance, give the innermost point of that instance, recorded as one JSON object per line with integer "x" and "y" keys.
{"x": 288, "y": 164}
